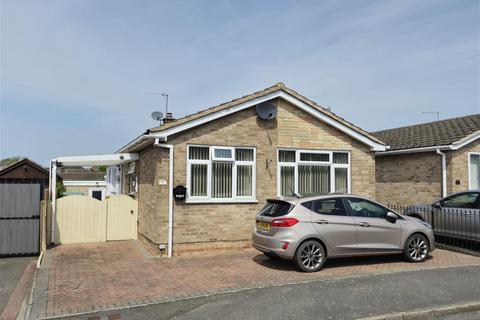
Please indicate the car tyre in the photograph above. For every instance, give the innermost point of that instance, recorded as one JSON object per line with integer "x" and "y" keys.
{"x": 310, "y": 256}
{"x": 416, "y": 248}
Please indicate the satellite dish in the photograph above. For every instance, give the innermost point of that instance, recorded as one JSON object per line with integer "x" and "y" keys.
{"x": 157, "y": 115}
{"x": 266, "y": 110}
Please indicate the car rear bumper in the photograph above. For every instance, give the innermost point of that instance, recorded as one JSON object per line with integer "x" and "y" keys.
{"x": 274, "y": 245}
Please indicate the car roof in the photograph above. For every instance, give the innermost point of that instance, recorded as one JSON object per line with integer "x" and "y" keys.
{"x": 296, "y": 200}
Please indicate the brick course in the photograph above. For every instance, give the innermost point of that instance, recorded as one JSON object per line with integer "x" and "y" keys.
{"x": 415, "y": 178}
{"x": 221, "y": 226}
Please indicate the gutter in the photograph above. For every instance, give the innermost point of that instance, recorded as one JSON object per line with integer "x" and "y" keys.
{"x": 170, "y": 194}
{"x": 444, "y": 172}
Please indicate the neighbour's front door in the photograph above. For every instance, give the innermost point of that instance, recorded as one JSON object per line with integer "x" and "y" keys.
{"x": 374, "y": 233}
{"x": 333, "y": 224}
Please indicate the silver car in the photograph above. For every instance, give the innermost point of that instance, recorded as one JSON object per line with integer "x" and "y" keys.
{"x": 307, "y": 230}
{"x": 456, "y": 216}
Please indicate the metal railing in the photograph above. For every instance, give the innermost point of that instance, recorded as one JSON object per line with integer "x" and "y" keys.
{"x": 453, "y": 227}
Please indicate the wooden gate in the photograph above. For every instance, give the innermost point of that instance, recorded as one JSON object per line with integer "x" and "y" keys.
{"x": 121, "y": 218}
{"x": 81, "y": 219}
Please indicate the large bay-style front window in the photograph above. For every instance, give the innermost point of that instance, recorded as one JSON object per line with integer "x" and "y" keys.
{"x": 220, "y": 173}
{"x": 474, "y": 170}
{"x": 308, "y": 172}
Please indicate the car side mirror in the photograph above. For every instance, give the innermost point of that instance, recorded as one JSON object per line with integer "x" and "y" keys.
{"x": 391, "y": 217}
{"x": 436, "y": 205}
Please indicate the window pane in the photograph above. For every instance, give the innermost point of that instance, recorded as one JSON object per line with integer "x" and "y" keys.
{"x": 340, "y": 157}
{"x": 222, "y": 179}
{"x": 244, "y": 154}
{"x": 198, "y": 153}
{"x": 364, "y": 208}
{"x": 223, "y": 153}
{"x": 466, "y": 200}
{"x": 313, "y": 179}
{"x": 286, "y": 156}
{"x": 244, "y": 181}
{"x": 198, "y": 180}
{"x": 329, "y": 206}
{"x": 287, "y": 181}
{"x": 341, "y": 180}
{"x": 304, "y": 156}
{"x": 474, "y": 171}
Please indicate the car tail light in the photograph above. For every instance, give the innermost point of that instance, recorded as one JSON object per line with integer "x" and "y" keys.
{"x": 284, "y": 222}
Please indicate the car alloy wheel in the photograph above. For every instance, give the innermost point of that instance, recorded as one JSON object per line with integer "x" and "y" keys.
{"x": 310, "y": 256}
{"x": 417, "y": 248}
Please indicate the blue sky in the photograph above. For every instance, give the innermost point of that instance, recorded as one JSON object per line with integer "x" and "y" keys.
{"x": 74, "y": 73}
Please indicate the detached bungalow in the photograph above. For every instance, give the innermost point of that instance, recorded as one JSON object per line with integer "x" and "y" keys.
{"x": 428, "y": 161}
{"x": 200, "y": 180}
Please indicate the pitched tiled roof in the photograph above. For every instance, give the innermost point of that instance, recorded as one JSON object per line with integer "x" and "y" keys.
{"x": 438, "y": 133}
{"x": 276, "y": 87}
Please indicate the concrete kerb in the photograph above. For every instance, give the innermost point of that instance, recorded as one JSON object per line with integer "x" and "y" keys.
{"x": 430, "y": 313}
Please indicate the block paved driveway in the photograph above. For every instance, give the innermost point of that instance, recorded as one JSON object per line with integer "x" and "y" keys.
{"x": 100, "y": 276}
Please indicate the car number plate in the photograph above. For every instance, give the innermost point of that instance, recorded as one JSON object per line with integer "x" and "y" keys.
{"x": 263, "y": 225}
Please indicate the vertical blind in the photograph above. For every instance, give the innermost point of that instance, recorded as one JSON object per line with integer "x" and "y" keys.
{"x": 222, "y": 180}
{"x": 224, "y": 165}
{"x": 313, "y": 172}
{"x": 198, "y": 180}
{"x": 475, "y": 171}
{"x": 313, "y": 179}
{"x": 287, "y": 181}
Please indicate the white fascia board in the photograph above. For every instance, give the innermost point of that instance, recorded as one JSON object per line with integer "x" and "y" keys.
{"x": 468, "y": 139}
{"x": 83, "y": 183}
{"x": 412, "y": 150}
{"x": 375, "y": 146}
{"x": 97, "y": 160}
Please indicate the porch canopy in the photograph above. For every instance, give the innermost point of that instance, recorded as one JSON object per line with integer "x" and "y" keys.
{"x": 89, "y": 160}
{"x": 96, "y": 160}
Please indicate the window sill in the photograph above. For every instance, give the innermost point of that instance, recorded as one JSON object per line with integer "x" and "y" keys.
{"x": 193, "y": 201}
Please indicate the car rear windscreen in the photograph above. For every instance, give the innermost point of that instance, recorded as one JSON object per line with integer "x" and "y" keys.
{"x": 276, "y": 208}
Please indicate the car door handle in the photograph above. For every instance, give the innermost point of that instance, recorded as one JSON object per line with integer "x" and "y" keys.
{"x": 364, "y": 224}
{"x": 321, "y": 222}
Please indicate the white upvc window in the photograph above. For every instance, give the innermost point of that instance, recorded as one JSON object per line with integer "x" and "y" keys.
{"x": 307, "y": 172}
{"x": 221, "y": 174}
{"x": 473, "y": 170}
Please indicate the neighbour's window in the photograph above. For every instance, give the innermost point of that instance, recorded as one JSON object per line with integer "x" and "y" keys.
{"x": 308, "y": 172}
{"x": 132, "y": 180}
{"x": 221, "y": 173}
{"x": 474, "y": 171}
{"x": 365, "y": 208}
{"x": 329, "y": 206}
{"x": 464, "y": 200}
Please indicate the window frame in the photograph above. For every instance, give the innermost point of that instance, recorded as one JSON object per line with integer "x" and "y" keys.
{"x": 470, "y": 154}
{"x": 332, "y": 166}
{"x": 208, "y": 198}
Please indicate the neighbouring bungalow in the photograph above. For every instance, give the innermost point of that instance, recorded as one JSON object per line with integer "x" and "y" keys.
{"x": 26, "y": 171}
{"x": 201, "y": 179}
{"x": 87, "y": 181}
{"x": 428, "y": 161}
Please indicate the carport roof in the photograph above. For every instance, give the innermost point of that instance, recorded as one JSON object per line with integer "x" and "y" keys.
{"x": 97, "y": 160}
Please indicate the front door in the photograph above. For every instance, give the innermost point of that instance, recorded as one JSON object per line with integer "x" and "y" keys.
{"x": 333, "y": 224}
{"x": 374, "y": 233}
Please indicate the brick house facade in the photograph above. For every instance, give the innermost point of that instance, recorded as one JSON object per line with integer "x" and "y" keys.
{"x": 411, "y": 171}
{"x": 206, "y": 223}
